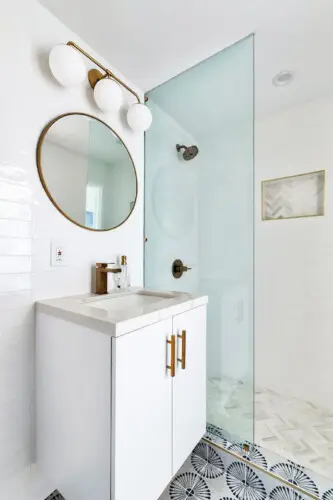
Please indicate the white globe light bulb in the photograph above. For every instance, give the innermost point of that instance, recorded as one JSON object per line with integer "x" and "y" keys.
{"x": 67, "y": 65}
{"x": 108, "y": 95}
{"x": 139, "y": 117}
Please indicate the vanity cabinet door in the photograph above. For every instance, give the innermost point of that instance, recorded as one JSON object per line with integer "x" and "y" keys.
{"x": 189, "y": 384}
{"x": 141, "y": 413}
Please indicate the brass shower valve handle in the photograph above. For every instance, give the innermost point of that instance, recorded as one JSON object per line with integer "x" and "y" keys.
{"x": 178, "y": 268}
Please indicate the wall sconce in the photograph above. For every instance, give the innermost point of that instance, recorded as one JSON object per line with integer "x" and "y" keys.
{"x": 68, "y": 69}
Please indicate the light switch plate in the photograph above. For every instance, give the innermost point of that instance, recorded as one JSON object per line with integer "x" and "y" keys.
{"x": 58, "y": 254}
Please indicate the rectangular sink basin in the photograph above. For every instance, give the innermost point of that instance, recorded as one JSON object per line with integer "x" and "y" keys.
{"x": 123, "y": 301}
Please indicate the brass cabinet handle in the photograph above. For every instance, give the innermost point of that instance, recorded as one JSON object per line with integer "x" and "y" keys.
{"x": 182, "y": 360}
{"x": 172, "y": 366}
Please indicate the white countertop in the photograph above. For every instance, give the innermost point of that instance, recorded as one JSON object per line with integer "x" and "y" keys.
{"x": 88, "y": 310}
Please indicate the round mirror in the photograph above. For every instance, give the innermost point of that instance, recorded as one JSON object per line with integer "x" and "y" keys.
{"x": 87, "y": 171}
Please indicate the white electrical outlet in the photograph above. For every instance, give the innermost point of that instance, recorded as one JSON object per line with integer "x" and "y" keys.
{"x": 58, "y": 255}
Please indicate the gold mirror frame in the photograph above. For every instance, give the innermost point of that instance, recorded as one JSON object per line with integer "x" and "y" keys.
{"x": 43, "y": 181}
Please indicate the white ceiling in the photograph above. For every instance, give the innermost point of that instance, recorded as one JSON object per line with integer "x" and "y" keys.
{"x": 150, "y": 41}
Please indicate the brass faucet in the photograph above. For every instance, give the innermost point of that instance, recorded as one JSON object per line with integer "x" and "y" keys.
{"x": 102, "y": 271}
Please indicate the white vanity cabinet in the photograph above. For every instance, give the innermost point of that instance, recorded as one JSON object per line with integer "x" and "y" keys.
{"x": 189, "y": 386}
{"x": 113, "y": 421}
{"x": 141, "y": 413}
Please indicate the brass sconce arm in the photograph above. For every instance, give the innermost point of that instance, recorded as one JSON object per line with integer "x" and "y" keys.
{"x": 96, "y": 75}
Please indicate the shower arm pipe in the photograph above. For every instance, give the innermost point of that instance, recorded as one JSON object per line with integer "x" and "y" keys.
{"x": 106, "y": 70}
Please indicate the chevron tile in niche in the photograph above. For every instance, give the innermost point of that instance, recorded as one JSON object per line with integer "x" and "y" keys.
{"x": 295, "y": 196}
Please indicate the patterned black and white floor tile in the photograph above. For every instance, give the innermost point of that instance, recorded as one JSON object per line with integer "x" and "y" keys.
{"x": 328, "y": 495}
{"x": 55, "y": 496}
{"x": 253, "y": 454}
{"x": 289, "y": 471}
{"x": 187, "y": 485}
{"x": 273, "y": 460}
{"x": 284, "y": 493}
{"x": 244, "y": 483}
{"x": 208, "y": 463}
{"x": 216, "y": 435}
{"x": 213, "y": 474}
{"x": 296, "y": 476}
{"x": 186, "y": 472}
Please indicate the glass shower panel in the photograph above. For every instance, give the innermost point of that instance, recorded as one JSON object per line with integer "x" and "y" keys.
{"x": 200, "y": 210}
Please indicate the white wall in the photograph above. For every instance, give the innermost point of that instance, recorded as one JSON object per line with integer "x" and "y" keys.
{"x": 294, "y": 261}
{"x": 29, "y": 98}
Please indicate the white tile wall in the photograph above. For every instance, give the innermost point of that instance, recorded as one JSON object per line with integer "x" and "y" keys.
{"x": 294, "y": 271}
{"x": 29, "y": 98}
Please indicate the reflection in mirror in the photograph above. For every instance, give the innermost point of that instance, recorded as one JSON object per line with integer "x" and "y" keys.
{"x": 87, "y": 171}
